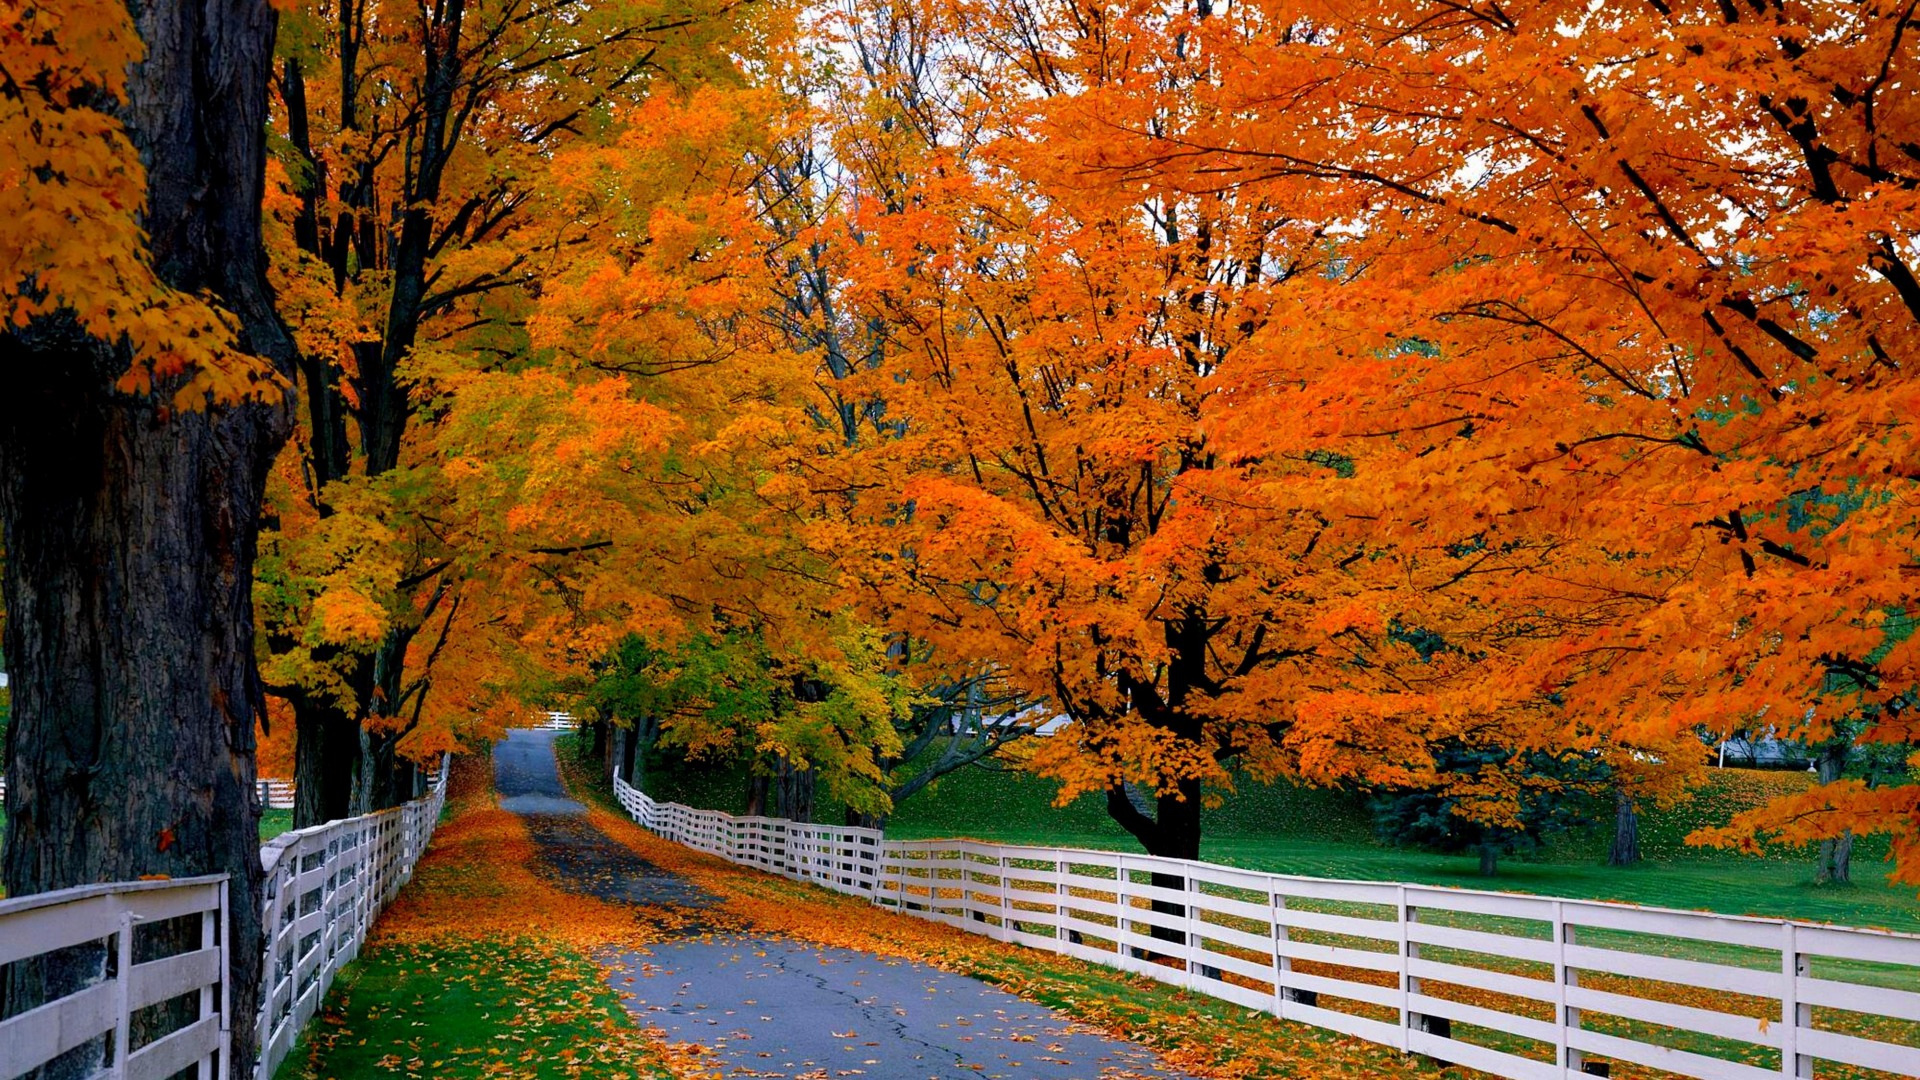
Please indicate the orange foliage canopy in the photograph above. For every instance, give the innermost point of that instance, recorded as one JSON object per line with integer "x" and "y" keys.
{"x": 72, "y": 192}
{"x": 1630, "y": 284}
{"x": 451, "y": 182}
{"x": 1275, "y": 389}
{"x": 1092, "y": 458}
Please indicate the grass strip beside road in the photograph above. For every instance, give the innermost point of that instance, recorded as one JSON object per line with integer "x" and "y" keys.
{"x": 460, "y": 1008}
{"x": 481, "y": 968}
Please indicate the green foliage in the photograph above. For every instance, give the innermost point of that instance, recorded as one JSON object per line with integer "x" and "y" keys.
{"x": 730, "y": 697}
{"x": 1538, "y": 797}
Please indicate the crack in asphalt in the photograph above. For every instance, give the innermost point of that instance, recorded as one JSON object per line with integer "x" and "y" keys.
{"x": 891, "y": 1019}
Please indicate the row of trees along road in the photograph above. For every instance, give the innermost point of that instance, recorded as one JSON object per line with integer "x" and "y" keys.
{"x": 1168, "y": 403}
{"x": 1312, "y": 390}
{"x": 236, "y": 228}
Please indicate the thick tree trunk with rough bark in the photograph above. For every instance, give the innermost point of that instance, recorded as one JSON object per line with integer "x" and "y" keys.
{"x": 1834, "y": 857}
{"x": 1626, "y": 831}
{"x": 130, "y": 528}
{"x": 793, "y": 791}
{"x": 325, "y": 764}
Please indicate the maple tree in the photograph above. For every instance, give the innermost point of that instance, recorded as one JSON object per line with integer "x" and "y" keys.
{"x": 438, "y": 170}
{"x": 1051, "y": 476}
{"x": 1628, "y": 286}
{"x": 141, "y": 369}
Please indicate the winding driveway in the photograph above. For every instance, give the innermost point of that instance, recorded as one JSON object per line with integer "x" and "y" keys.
{"x": 774, "y": 1007}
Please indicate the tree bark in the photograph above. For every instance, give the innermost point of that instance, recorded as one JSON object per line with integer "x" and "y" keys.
{"x": 793, "y": 791}
{"x": 596, "y": 747}
{"x": 1626, "y": 831}
{"x": 130, "y": 528}
{"x": 629, "y": 752}
{"x": 1834, "y": 856}
{"x": 757, "y": 788}
{"x": 1489, "y": 860}
{"x": 1172, "y": 832}
{"x": 325, "y": 763}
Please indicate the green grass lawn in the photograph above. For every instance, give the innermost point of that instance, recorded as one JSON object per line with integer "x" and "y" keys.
{"x": 1291, "y": 830}
{"x": 468, "y": 1009}
{"x": 274, "y": 822}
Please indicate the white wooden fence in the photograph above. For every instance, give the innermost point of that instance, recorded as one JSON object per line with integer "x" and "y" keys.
{"x": 108, "y": 917}
{"x": 1524, "y": 987}
{"x": 325, "y": 885}
{"x": 274, "y": 793}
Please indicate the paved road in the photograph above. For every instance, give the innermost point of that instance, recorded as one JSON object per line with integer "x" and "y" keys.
{"x": 770, "y": 1007}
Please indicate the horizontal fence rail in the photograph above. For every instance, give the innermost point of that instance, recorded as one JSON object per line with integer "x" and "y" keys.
{"x": 325, "y": 886}
{"x": 134, "y": 974}
{"x": 1523, "y": 987}
{"x": 100, "y": 937}
{"x": 274, "y": 794}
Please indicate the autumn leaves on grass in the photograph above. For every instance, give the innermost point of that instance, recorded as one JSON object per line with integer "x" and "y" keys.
{"x": 480, "y": 968}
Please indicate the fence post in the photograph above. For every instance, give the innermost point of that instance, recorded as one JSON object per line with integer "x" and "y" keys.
{"x": 219, "y": 927}
{"x": 1007, "y": 902}
{"x": 1409, "y": 985}
{"x": 1792, "y": 1013}
{"x": 1282, "y": 964}
{"x": 1563, "y": 977}
{"x": 1060, "y": 899}
{"x": 1190, "y": 889}
{"x": 122, "y": 987}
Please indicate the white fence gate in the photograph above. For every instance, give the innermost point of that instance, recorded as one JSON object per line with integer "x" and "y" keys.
{"x": 325, "y": 885}
{"x": 1523, "y": 987}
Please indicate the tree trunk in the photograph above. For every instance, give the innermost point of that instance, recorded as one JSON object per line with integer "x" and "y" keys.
{"x": 1489, "y": 860}
{"x": 388, "y": 775}
{"x": 629, "y": 752}
{"x": 1172, "y": 832}
{"x": 326, "y": 757}
{"x": 1834, "y": 855}
{"x": 130, "y": 528}
{"x": 757, "y": 788}
{"x": 1626, "y": 830}
{"x": 793, "y": 792}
